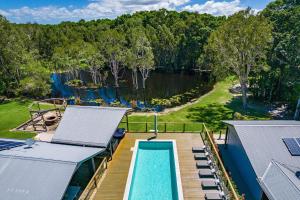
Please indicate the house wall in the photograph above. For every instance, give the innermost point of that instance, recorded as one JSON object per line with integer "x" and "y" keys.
{"x": 242, "y": 163}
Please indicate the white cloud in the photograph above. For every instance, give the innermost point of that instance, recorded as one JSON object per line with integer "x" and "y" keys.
{"x": 112, "y": 8}
{"x": 216, "y": 8}
{"x": 95, "y": 9}
{"x": 4, "y": 13}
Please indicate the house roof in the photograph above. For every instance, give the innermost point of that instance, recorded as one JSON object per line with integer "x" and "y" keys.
{"x": 262, "y": 122}
{"x": 280, "y": 182}
{"x": 40, "y": 172}
{"x": 263, "y": 143}
{"x": 88, "y": 125}
{"x": 50, "y": 151}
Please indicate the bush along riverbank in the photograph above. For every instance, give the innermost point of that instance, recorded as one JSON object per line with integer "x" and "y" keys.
{"x": 177, "y": 100}
{"x": 154, "y": 104}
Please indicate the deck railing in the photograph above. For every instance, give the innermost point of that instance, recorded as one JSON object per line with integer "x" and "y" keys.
{"x": 168, "y": 127}
{"x": 163, "y": 127}
{"x": 92, "y": 185}
{"x": 209, "y": 140}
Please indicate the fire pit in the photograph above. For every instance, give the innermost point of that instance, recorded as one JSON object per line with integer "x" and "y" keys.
{"x": 50, "y": 120}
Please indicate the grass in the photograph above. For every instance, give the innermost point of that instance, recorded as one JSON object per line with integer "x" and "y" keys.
{"x": 12, "y": 114}
{"x": 212, "y": 108}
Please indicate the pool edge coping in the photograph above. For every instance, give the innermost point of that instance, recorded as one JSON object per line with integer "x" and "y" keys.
{"x": 132, "y": 165}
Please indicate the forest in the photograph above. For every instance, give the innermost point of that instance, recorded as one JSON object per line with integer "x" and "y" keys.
{"x": 145, "y": 41}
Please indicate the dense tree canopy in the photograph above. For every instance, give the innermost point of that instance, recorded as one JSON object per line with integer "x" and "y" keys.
{"x": 172, "y": 41}
{"x": 282, "y": 81}
{"x": 149, "y": 40}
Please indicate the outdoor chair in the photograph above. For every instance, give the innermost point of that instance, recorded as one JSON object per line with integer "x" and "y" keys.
{"x": 214, "y": 196}
{"x": 204, "y": 164}
{"x": 207, "y": 173}
{"x": 201, "y": 156}
{"x": 199, "y": 149}
{"x": 210, "y": 184}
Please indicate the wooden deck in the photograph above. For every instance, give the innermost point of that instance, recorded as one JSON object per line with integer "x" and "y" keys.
{"x": 113, "y": 185}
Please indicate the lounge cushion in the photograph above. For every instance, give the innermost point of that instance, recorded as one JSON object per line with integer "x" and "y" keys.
{"x": 209, "y": 184}
{"x": 198, "y": 149}
{"x": 203, "y": 164}
{"x": 200, "y": 156}
{"x": 206, "y": 173}
{"x": 213, "y": 196}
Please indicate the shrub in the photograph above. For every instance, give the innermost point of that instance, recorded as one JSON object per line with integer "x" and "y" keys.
{"x": 161, "y": 102}
{"x": 116, "y": 104}
{"x": 75, "y": 83}
{"x": 100, "y": 101}
{"x": 34, "y": 87}
{"x": 176, "y": 99}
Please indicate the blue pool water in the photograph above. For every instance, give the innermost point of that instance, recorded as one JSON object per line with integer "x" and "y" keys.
{"x": 154, "y": 174}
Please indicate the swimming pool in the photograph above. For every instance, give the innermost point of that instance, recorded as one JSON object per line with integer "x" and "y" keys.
{"x": 154, "y": 172}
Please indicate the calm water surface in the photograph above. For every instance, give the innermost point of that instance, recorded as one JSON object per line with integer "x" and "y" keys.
{"x": 158, "y": 85}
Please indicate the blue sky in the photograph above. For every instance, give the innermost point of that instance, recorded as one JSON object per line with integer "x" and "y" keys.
{"x": 55, "y": 11}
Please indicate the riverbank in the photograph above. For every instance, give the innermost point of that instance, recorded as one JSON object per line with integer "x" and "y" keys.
{"x": 211, "y": 108}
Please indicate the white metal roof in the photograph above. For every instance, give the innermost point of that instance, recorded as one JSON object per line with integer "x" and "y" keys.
{"x": 88, "y": 125}
{"x": 29, "y": 179}
{"x": 280, "y": 182}
{"x": 50, "y": 151}
{"x": 41, "y": 172}
{"x": 263, "y": 144}
{"x": 262, "y": 122}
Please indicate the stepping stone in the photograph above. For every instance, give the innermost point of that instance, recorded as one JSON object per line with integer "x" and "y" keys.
{"x": 210, "y": 184}
{"x": 203, "y": 164}
{"x": 198, "y": 149}
{"x": 206, "y": 173}
{"x": 213, "y": 196}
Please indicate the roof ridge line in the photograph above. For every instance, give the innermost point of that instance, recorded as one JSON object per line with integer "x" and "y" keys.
{"x": 99, "y": 107}
{"x": 286, "y": 166}
{"x": 37, "y": 159}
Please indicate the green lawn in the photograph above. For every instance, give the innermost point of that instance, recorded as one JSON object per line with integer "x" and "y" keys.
{"x": 12, "y": 114}
{"x": 211, "y": 108}
{"x": 217, "y": 105}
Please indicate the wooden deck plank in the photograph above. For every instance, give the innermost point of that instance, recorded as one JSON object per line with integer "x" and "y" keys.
{"x": 114, "y": 183}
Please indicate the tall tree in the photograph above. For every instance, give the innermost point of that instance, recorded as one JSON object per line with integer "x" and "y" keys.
{"x": 113, "y": 45}
{"x": 141, "y": 56}
{"x": 282, "y": 82}
{"x": 12, "y": 56}
{"x": 94, "y": 62}
{"x": 239, "y": 46}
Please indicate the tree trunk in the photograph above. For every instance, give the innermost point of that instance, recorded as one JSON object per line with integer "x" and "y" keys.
{"x": 244, "y": 94}
{"x": 145, "y": 75}
{"x": 94, "y": 75}
{"x": 134, "y": 79}
{"x": 144, "y": 83}
{"x": 115, "y": 72}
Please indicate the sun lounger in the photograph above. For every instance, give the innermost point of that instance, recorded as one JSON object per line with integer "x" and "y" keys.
{"x": 203, "y": 164}
{"x": 213, "y": 196}
{"x": 206, "y": 173}
{"x": 210, "y": 184}
{"x": 198, "y": 149}
{"x": 201, "y": 156}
